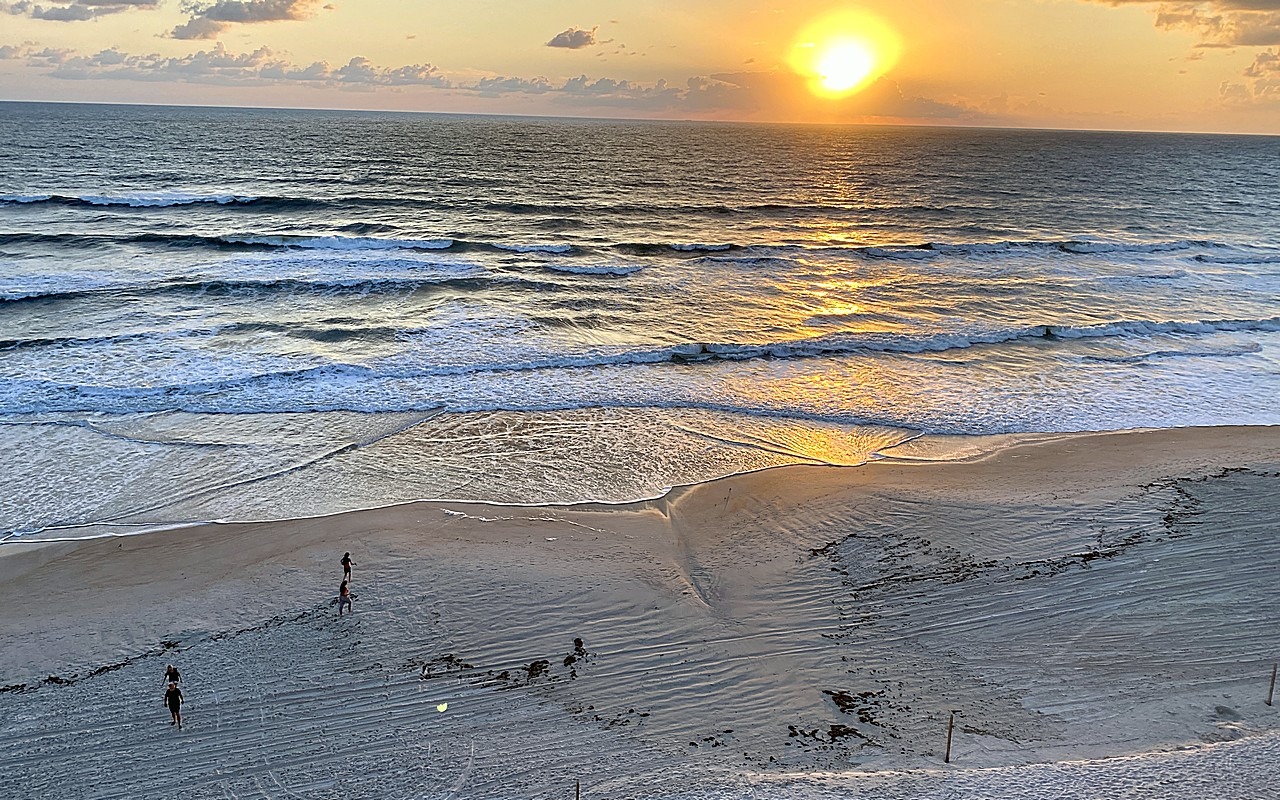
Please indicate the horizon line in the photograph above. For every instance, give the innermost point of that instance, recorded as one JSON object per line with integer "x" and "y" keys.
{"x": 655, "y": 120}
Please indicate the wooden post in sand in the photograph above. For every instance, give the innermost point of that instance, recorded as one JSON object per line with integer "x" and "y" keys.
{"x": 1272, "y": 691}
{"x": 951, "y": 723}
{"x": 727, "y": 496}
{"x": 577, "y": 790}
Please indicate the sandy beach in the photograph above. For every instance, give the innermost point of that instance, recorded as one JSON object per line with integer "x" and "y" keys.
{"x": 1099, "y": 612}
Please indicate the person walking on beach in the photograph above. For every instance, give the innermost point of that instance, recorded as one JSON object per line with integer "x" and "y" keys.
{"x": 171, "y": 674}
{"x": 173, "y": 699}
{"x": 347, "y": 564}
{"x": 344, "y": 598}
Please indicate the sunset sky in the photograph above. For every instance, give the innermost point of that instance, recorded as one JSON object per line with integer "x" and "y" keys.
{"x": 1111, "y": 64}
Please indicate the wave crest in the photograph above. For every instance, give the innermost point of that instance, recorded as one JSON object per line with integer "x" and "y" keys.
{"x": 139, "y": 200}
{"x": 53, "y": 395}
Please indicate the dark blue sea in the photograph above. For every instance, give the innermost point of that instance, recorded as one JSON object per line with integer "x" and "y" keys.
{"x": 251, "y": 314}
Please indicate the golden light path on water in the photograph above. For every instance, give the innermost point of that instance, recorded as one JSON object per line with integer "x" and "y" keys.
{"x": 843, "y": 52}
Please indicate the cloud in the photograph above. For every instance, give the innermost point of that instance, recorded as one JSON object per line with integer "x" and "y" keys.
{"x": 1265, "y": 65}
{"x": 771, "y": 95}
{"x": 209, "y": 19}
{"x": 1218, "y": 23}
{"x": 503, "y": 85}
{"x": 574, "y": 38}
{"x": 1230, "y": 23}
{"x": 362, "y": 71}
{"x": 611, "y": 93}
{"x": 73, "y": 10}
{"x": 1261, "y": 85}
{"x": 198, "y": 28}
{"x": 885, "y": 99}
{"x": 32, "y": 53}
{"x": 219, "y": 65}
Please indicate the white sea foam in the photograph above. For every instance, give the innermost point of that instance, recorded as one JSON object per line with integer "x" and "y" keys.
{"x": 163, "y": 199}
{"x": 341, "y": 242}
{"x": 596, "y": 269}
{"x": 157, "y": 199}
{"x": 298, "y": 270}
{"x": 1142, "y": 328}
{"x": 457, "y": 363}
{"x": 1002, "y": 248}
{"x": 1170, "y": 275}
{"x": 348, "y": 267}
{"x": 20, "y": 285}
{"x": 1130, "y": 247}
{"x": 1223, "y": 352}
{"x": 535, "y": 248}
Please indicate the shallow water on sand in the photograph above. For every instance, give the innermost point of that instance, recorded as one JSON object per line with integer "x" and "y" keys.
{"x": 261, "y": 467}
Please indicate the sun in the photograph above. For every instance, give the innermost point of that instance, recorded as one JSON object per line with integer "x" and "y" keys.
{"x": 843, "y": 66}
{"x": 844, "y": 52}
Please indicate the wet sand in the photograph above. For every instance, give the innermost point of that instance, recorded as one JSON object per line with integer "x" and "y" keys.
{"x": 1100, "y": 613}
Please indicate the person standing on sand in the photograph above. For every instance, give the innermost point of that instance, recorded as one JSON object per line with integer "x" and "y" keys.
{"x": 344, "y": 598}
{"x": 171, "y": 674}
{"x": 347, "y": 564}
{"x": 173, "y": 699}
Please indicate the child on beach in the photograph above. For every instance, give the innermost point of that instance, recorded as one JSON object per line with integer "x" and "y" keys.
{"x": 344, "y": 598}
{"x": 347, "y": 564}
{"x": 173, "y": 699}
{"x": 171, "y": 674}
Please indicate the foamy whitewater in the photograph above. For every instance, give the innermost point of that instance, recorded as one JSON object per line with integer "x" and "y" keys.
{"x": 248, "y": 314}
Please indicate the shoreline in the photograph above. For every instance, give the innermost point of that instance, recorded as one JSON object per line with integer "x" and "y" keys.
{"x": 920, "y": 449}
{"x": 1095, "y": 596}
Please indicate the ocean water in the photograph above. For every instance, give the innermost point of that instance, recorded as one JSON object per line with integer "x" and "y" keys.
{"x": 254, "y": 314}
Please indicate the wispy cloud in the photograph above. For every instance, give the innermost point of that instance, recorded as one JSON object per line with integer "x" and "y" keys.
{"x": 219, "y": 65}
{"x": 574, "y": 38}
{"x": 209, "y": 19}
{"x": 73, "y": 10}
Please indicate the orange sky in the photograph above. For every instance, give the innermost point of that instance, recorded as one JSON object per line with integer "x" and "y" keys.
{"x": 1113, "y": 64}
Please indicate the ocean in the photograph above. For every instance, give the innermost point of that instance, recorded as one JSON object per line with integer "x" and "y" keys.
{"x": 236, "y": 314}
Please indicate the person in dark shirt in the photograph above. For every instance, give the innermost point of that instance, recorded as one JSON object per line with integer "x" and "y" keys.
{"x": 173, "y": 699}
{"x": 347, "y": 564}
{"x": 344, "y": 598}
{"x": 171, "y": 674}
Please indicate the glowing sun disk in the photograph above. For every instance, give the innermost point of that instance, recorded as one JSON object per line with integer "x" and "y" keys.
{"x": 844, "y": 52}
{"x": 844, "y": 65}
